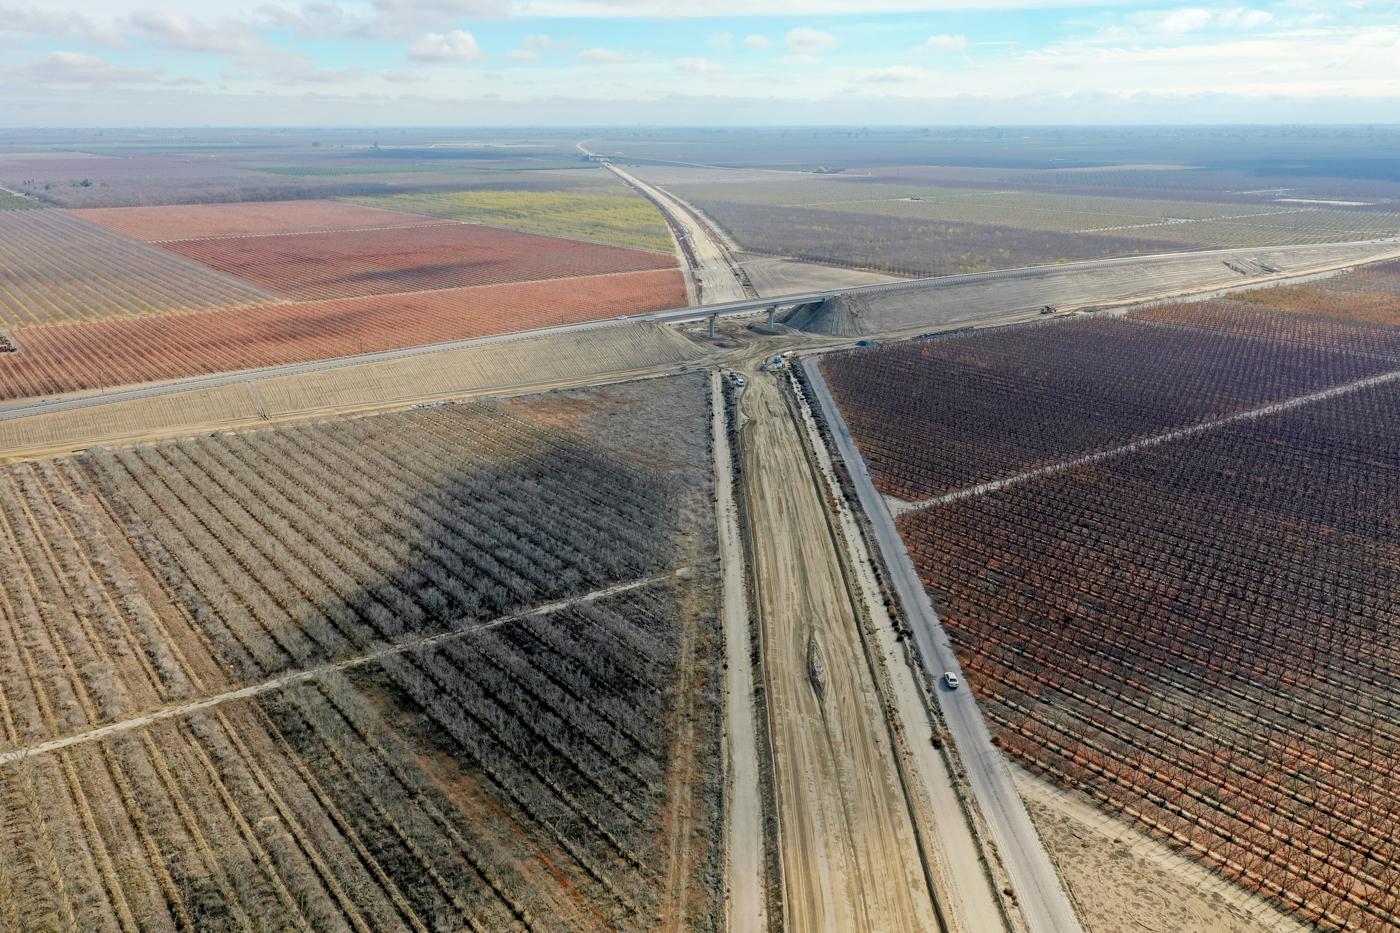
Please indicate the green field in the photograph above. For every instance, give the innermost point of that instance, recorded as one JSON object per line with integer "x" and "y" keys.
{"x": 609, "y": 214}
{"x": 13, "y": 202}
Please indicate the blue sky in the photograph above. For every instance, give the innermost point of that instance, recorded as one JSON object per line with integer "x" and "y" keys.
{"x": 454, "y": 62}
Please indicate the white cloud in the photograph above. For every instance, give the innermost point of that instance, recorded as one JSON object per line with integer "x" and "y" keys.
{"x": 402, "y": 77}
{"x": 34, "y": 22}
{"x": 248, "y": 50}
{"x": 1241, "y": 18}
{"x": 804, "y": 44}
{"x": 942, "y": 44}
{"x": 895, "y": 74}
{"x": 699, "y": 66}
{"x": 178, "y": 31}
{"x": 1193, "y": 19}
{"x": 543, "y": 41}
{"x": 531, "y": 46}
{"x": 598, "y": 56}
{"x": 672, "y": 9}
{"x": 455, "y": 46}
{"x": 756, "y": 42}
{"x": 82, "y": 68}
{"x": 1180, "y": 22}
{"x": 722, "y": 40}
{"x": 388, "y": 19}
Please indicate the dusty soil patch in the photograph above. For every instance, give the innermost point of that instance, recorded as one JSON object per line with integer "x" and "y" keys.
{"x": 1121, "y": 880}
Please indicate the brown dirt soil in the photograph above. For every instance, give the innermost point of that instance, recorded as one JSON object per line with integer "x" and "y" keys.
{"x": 258, "y": 218}
{"x": 1120, "y": 880}
{"x": 1369, "y": 294}
{"x": 314, "y": 266}
{"x": 850, "y": 858}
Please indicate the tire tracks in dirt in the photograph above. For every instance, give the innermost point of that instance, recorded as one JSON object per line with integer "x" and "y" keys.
{"x": 849, "y": 849}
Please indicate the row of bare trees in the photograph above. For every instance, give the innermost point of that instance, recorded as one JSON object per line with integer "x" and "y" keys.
{"x": 936, "y": 415}
{"x": 1199, "y": 636}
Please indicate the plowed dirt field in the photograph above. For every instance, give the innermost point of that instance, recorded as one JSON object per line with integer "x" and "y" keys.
{"x": 258, "y": 218}
{"x": 317, "y": 266}
{"x": 91, "y": 356}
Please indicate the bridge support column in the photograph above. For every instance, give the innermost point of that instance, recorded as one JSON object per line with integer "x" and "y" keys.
{"x": 771, "y": 311}
{"x": 714, "y": 319}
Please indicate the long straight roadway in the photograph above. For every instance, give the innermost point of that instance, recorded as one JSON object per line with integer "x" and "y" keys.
{"x": 715, "y": 273}
{"x": 1033, "y": 878}
{"x": 735, "y": 303}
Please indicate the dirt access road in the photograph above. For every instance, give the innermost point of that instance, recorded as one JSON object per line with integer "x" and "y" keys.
{"x": 849, "y": 852}
{"x": 847, "y": 820}
{"x": 743, "y": 823}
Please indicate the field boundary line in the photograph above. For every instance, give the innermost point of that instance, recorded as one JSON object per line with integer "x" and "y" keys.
{"x": 1299, "y": 401}
{"x": 305, "y": 676}
{"x": 445, "y": 222}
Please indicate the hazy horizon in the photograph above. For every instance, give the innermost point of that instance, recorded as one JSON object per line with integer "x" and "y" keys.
{"x": 447, "y": 63}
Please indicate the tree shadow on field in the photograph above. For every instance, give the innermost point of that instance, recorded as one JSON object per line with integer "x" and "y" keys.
{"x": 521, "y": 764}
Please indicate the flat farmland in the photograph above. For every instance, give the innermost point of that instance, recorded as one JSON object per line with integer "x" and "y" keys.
{"x": 56, "y": 268}
{"x": 90, "y": 356}
{"x": 601, "y": 213}
{"x": 1250, "y": 319}
{"x": 1195, "y": 632}
{"x": 1357, "y": 310}
{"x": 917, "y": 247}
{"x": 259, "y": 218}
{"x": 318, "y": 266}
{"x": 13, "y": 202}
{"x": 1368, "y": 295}
{"x": 1201, "y": 638}
{"x": 932, "y": 416}
{"x": 928, "y": 230}
{"x": 346, "y": 678}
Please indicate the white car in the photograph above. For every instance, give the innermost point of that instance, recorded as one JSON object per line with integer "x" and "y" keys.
{"x": 950, "y": 680}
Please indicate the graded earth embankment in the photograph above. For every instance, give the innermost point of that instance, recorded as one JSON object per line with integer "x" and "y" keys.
{"x": 1076, "y": 285}
{"x": 849, "y": 852}
{"x": 557, "y": 359}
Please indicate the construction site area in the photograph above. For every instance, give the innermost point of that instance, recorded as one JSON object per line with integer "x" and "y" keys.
{"x": 367, "y": 568}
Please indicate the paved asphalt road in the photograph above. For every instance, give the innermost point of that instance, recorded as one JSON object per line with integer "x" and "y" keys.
{"x": 1037, "y": 887}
